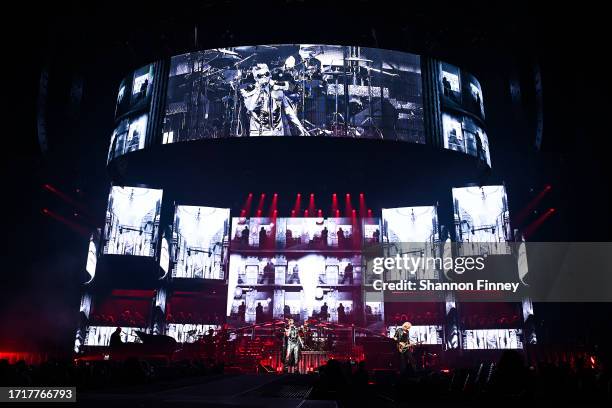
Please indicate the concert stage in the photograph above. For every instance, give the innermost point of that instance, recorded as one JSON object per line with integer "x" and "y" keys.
{"x": 200, "y": 181}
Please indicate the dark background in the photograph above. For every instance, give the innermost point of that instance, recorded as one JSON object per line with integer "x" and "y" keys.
{"x": 87, "y": 49}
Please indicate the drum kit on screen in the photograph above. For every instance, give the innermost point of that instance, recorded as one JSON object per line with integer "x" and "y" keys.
{"x": 318, "y": 93}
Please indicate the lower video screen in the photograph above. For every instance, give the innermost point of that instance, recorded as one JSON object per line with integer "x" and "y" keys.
{"x": 303, "y": 286}
{"x": 199, "y": 234}
{"x": 132, "y": 221}
{"x": 492, "y": 339}
{"x": 482, "y": 220}
{"x": 100, "y": 335}
{"x": 190, "y": 333}
{"x": 432, "y": 334}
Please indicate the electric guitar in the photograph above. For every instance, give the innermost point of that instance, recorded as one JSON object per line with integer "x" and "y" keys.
{"x": 402, "y": 346}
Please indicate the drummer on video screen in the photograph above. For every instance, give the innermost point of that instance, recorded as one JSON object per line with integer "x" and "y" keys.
{"x": 270, "y": 111}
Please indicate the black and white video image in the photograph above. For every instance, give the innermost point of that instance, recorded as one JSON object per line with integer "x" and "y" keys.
{"x": 453, "y": 132}
{"x": 492, "y": 339}
{"x": 199, "y": 234}
{"x": 164, "y": 254}
{"x": 463, "y": 134}
{"x": 413, "y": 231}
{"x": 122, "y": 98}
{"x": 246, "y": 304}
{"x": 294, "y": 90}
{"x": 128, "y": 136}
{"x": 141, "y": 84}
{"x": 191, "y": 333}
{"x": 101, "y": 335}
{"x": 450, "y": 81}
{"x": 482, "y": 219}
{"x": 303, "y": 233}
{"x": 410, "y": 224}
{"x": 370, "y": 230}
{"x": 134, "y": 94}
{"x": 432, "y": 334}
{"x": 460, "y": 89}
{"x": 476, "y": 141}
{"x": 255, "y": 232}
{"x": 132, "y": 221}
{"x": 92, "y": 255}
{"x": 472, "y": 98}
{"x": 301, "y": 286}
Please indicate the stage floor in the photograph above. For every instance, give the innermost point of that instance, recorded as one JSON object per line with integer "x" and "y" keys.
{"x": 244, "y": 390}
{"x": 290, "y": 391}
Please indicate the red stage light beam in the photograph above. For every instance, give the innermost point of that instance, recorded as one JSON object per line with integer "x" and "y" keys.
{"x": 311, "y": 205}
{"x": 520, "y": 217}
{"x": 334, "y": 206}
{"x": 69, "y": 223}
{"x": 260, "y": 205}
{"x": 362, "y": 205}
{"x": 66, "y": 198}
{"x": 246, "y": 207}
{"x": 298, "y": 204}
{"x": 274, "y": 205}
{"x": 533, "y": 227}
{"x": 348, "y": 207}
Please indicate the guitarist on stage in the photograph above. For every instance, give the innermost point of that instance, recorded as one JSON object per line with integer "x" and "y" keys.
{"x": 404, "y": 346}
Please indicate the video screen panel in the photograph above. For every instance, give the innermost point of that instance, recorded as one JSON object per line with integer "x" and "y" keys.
{"x": 254, "y": 232}
{"x": 100, "y": 335}
{"x": 371, "y": 231}
{"x": 128, "y": 136}
{"x": 132, "y": 221}
{"x": 164, "y": 254}
{"x": 190, "y": 333}
{"x": 462, "y": 109}
{"x": 492, "y": 339}
{"x": 463, "y": 134}
{"x": 432, "y": 334}
{"x": 482, "y": 219}
{"x": 199, "y": 235}
{"x": 460, "y": 89}
{"x": 450, "y": 82}
{"x": 135, "y": 91}
{"x": 92, "y": 255}
{"x": 302, "y": 286}
{"x": 294, "y": 90}
{"x": 472, "y": 99}
{"x": 132, "y": 112}
{"x": 414, "y": 231}
{"x": 86, "y": 301}
{"x": 410, "y": 224}
{"x": 303, "y": 233}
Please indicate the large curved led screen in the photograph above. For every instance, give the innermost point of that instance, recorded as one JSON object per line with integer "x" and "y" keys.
{"x": 294, "y": 90}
